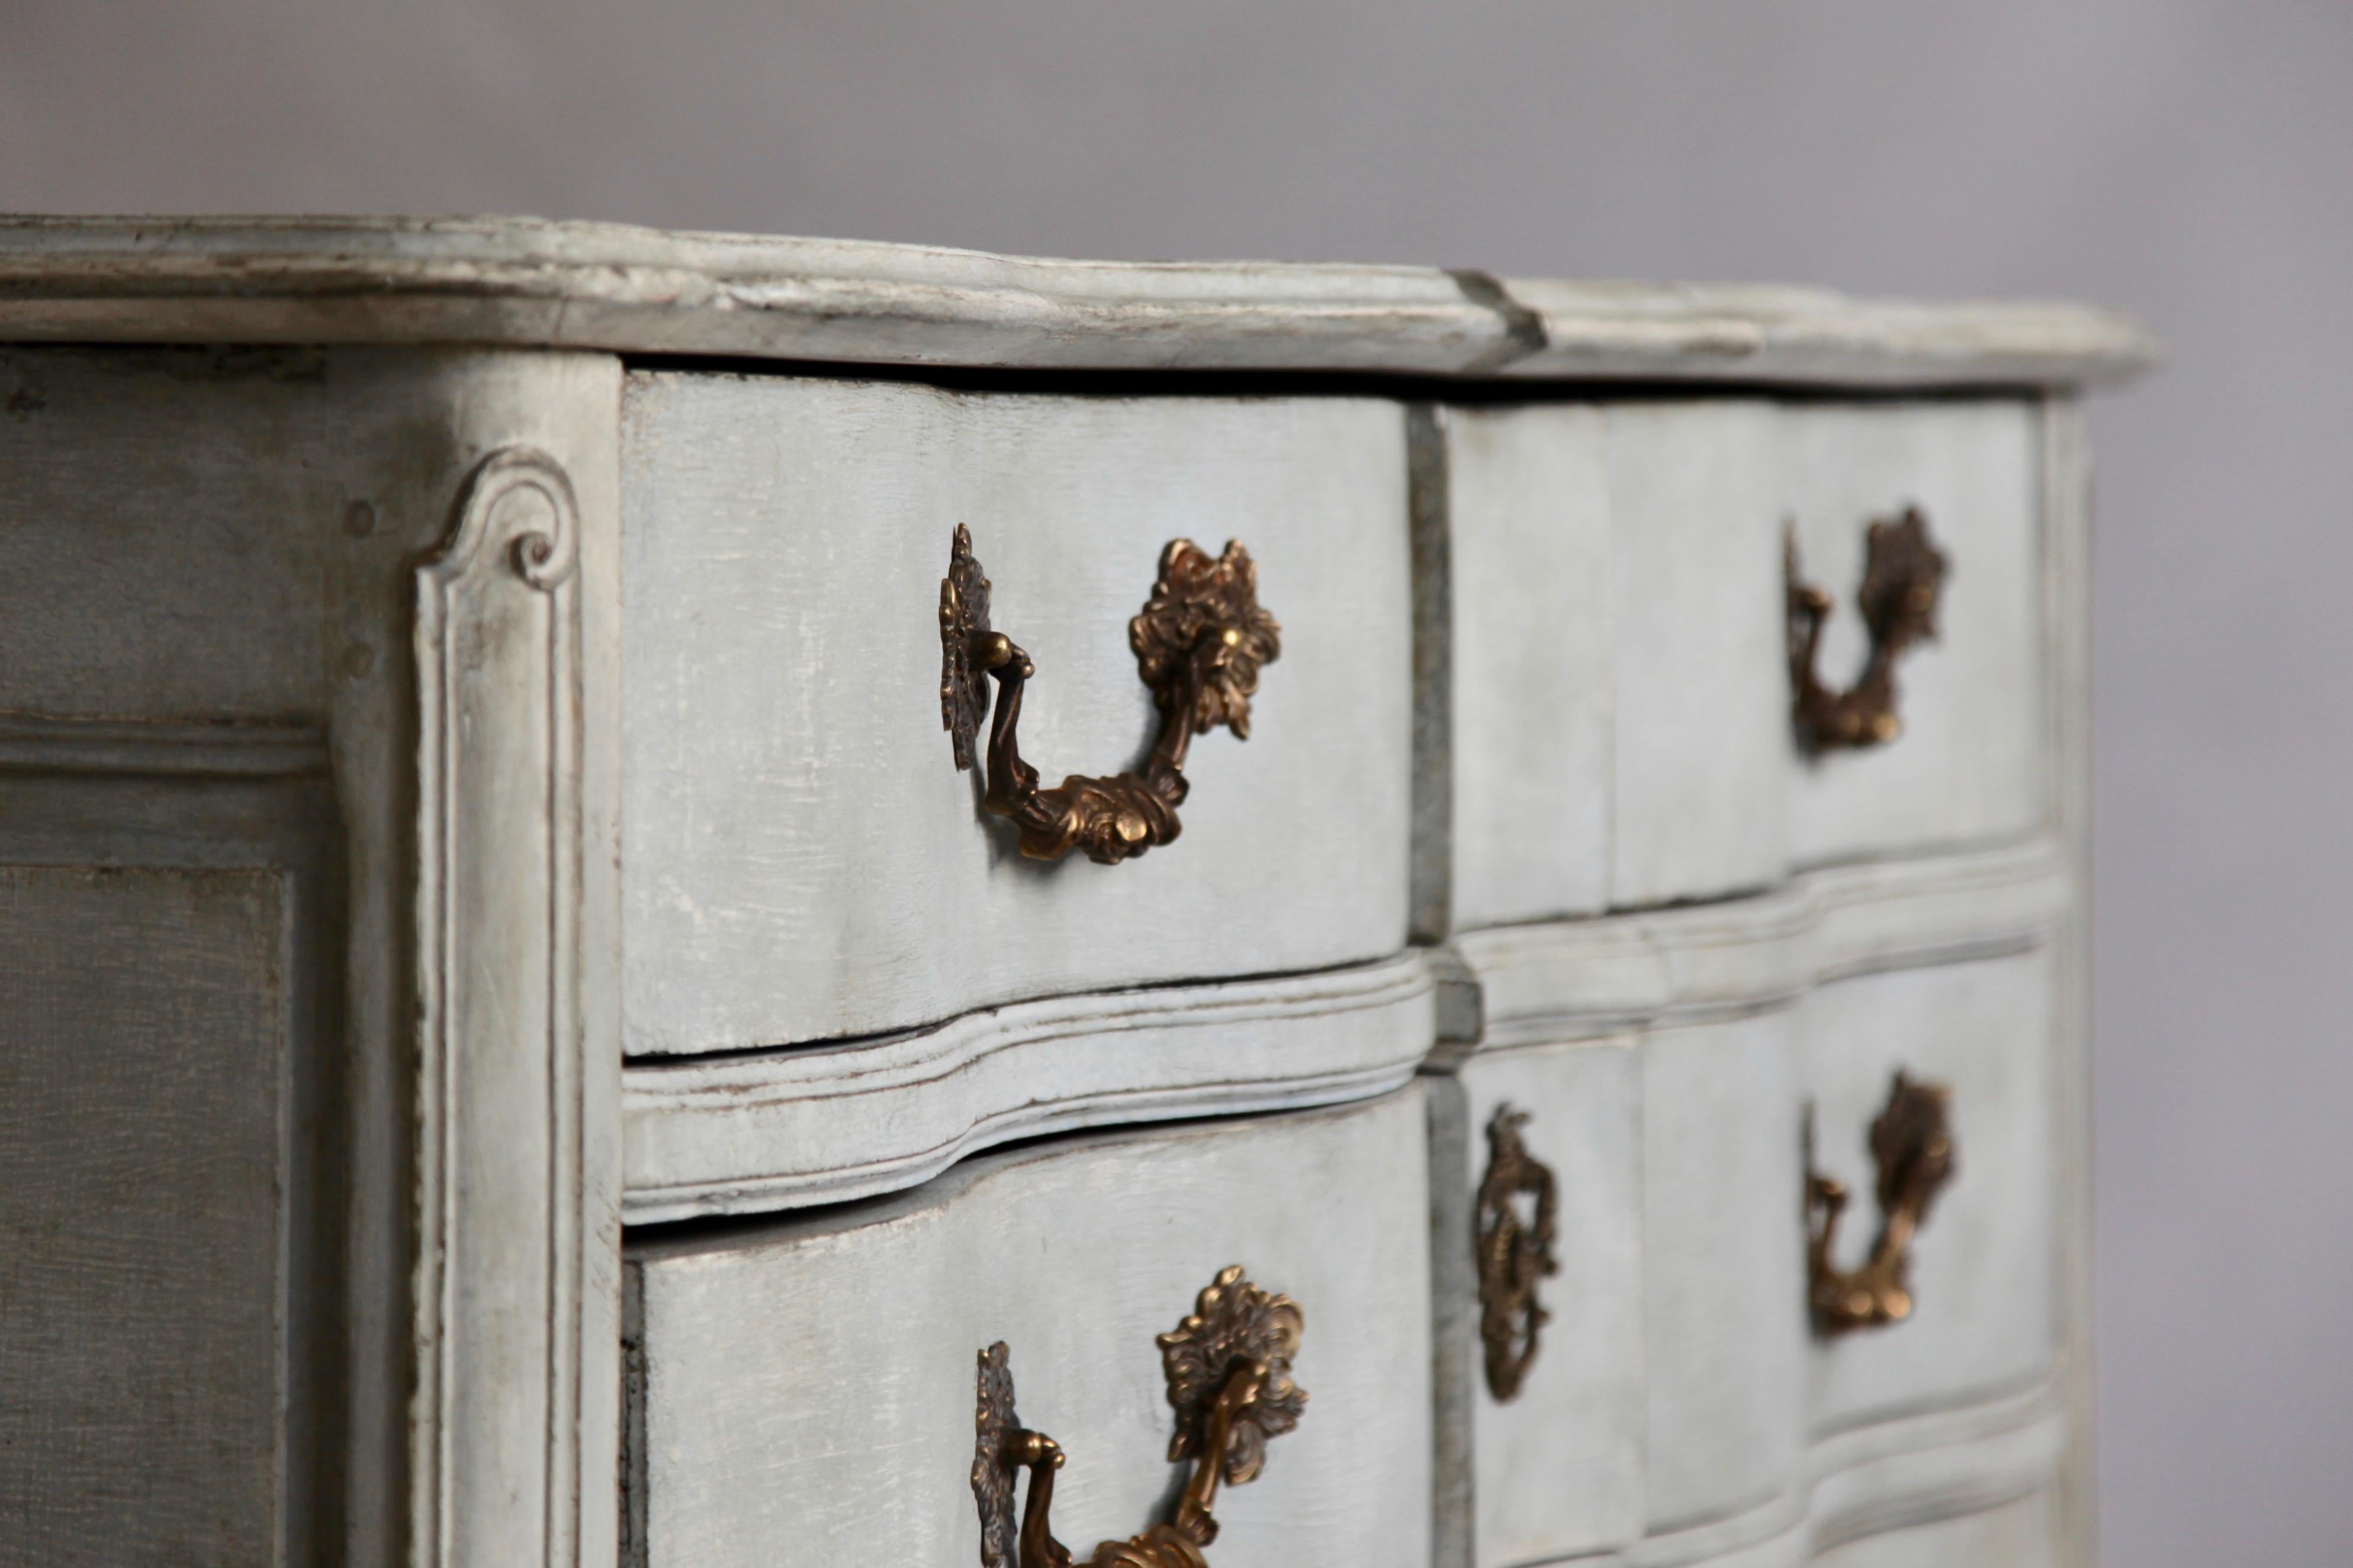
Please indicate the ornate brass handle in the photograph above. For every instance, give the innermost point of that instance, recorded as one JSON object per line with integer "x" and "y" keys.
{"x": 1199, "y": 644}
{"x": 1229, "y": 1370}
{"x": 1514, "y": 1254}
{"x": 1903, "y": 574}
{"x": 1912, "y": 1143}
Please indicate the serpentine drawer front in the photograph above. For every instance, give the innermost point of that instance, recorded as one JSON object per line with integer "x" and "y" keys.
{"x": 802, "y": 858}
{"x": 1622, "y": 687}
{"x": 815, "y": 1380}
{"x": 724, "y": 900}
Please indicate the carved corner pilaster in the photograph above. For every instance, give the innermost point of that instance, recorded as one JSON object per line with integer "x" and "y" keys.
{"x": 518, "y": 1236}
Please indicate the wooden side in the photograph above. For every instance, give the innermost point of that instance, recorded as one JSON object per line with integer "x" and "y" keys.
{"x": 145, "y": 1190}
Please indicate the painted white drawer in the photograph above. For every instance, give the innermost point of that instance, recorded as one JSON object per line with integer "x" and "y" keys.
{"x": 1983, "y": 1294}
{"x": 801, "y": 858}
{"x": 815, "y": 1380}
{"x": 1620, "y": 684}
{"x": 1723, "y": 1273}
{"x": 1555, "y": 1409}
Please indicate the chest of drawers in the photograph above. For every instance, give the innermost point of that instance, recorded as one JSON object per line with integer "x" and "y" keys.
{"x": 564, "y": 1010}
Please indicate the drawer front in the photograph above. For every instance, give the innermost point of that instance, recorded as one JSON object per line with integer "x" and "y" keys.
{"x": 1723, "y": 1267}
{"x": 1529, "y": 526}
{"x": 1556, "y": 1435}
{"x": 802, "y": 859}
{"x": 2021, "y": 1534}
{"x": 1622, "y": 694}
{"x": 815, "y": 1382}
{"x": 1967, "y": 763}
{"x": 1980, "y": 1283}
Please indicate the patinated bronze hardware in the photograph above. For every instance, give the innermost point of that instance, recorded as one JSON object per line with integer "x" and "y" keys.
{"x": 1903, "y": 574}
{"x": 1912, "y": 1143}
{"x": 1514, "y": 1254}
{"x": 1229, "y": 1370}
{"x": 1199, "y": 644}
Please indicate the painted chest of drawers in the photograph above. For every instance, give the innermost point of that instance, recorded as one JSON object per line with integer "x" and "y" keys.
{"x": 682, "y": 900}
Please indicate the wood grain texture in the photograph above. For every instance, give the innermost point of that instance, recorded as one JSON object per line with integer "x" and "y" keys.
{"x": 802, "y": 859}
{"x": 809, "y": 1386}
{"x": 788, "y": 1129}
{"x": 528, "y": 282}
{"x": 1985, "y": 1298}
{"x": 144, "y": 1165}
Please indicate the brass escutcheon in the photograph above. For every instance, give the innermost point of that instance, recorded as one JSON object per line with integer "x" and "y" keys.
{"x": 1514, "y": 1254}
{"x": 1912, "y": 1143}
{"x": 1199, "y": 642}
{"x": 1903, "y": 576}
{"x": 1228, "y": 1366}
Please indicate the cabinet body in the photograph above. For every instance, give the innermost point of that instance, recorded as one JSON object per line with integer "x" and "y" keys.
{"x": 511, "y": 987}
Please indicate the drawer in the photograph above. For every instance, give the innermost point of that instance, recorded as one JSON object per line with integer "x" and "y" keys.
{"x": 1722, "y": 1267}
{"x": 1621, "y": 683}
{"x": 1555, "y": 1414}
{"x": 1980, "y": 1283}
{"x": 815, "y": 1380}
{"x": 1967, "y": 766}
{"x": 1528, "y": 569}
{"x": 2020, "y": 1534}
{"x": 801, "y": 858}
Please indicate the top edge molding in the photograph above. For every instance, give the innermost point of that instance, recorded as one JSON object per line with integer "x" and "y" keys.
{"x": 531, "y": 282}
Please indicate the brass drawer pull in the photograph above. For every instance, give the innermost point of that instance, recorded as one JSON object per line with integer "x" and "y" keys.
{"x": 1514, "y": 1254}
{"x": 1199, "y": 644}
{"x": 1903, "y": 576}
{"x": 1912, "y": 1143}
{"x": 1229, "y": 1371}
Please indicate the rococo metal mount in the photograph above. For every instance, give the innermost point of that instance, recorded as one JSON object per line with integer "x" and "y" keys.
{"x": 1228, "y": 1366}
{"x": 1199, "y": 642}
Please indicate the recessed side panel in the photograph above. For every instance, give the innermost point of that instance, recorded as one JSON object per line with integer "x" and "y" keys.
{"x": 144, "y": 1167}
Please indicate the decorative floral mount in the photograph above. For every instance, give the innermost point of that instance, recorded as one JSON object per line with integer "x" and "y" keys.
{"x": 1199, "y": 644}
{"x": 1229, "y": 1370}
{"x": 1513, "y": 1255}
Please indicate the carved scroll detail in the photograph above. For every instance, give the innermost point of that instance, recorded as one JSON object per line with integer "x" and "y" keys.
{"x": 1200, "y": 643}
{"x": 1912, "y": 1143}
{"x": 1228, "y": 1366}
{"x": 1513, "y": 1254}
{"x": 1903, "y": 576}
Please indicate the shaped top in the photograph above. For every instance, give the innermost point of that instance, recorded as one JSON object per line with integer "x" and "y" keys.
{"x": 525, "y": 282}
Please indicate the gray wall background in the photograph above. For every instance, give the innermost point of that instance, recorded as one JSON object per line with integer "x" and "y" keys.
{"x": 2191, "y": 161}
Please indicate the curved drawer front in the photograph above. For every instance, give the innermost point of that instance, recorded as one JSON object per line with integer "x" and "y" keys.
{"x": 802, "y": 859}
{"x": 1622, "y": 695}
{"x": 1983, "y": 1304}
{"x": 1967, "y": 763}
{"x": 1553, "y": 1137}
{"x": 815, "y": 1382}
{"x": 1724, "y": 1274}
